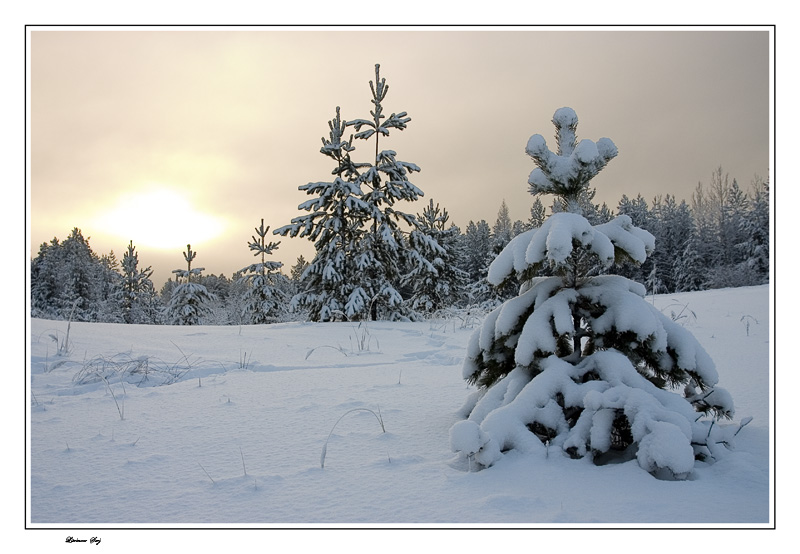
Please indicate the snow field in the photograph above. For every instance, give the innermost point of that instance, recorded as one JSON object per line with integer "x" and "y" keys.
{"x": 238, "y": 439}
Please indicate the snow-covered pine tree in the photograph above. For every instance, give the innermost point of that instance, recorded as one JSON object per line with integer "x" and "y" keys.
{"x": 502, "y": 233}
{"x": 138, "y": 291}
{"x": 383, "y": 250}
{"x": 476, "y": 247}
{"x": 297, "y": 270}
{"x": 45, "y": 285}
{"x": 330, "y": 287}
{"x": 501, "y": 230}
{"x": 264, "y": 299}
{"x": 537, "y": 214}
{"x": 360, "y": 244}
{"x": 705, "y": 247}
{"x": 519, "y": 227}
{"x": 68, "y": 280}
{"x": 190, "y": 302}
{"x": 235, "y": 301}
{"x": 690, "y": 269}
{"x": 109, "y": 290}
{"x": 755, "y": 226}
{"x": 580, "y": 362}
{"x": 673, "y": 231}
{"x": 436, "y": 282}
{"x": 639, "y": 213}
{"x": 732, "y": 271}
{"x": 79, "y": 276}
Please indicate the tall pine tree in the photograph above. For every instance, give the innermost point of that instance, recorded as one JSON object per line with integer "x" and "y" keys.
{"x": 335, "y": 224}
{"x": 384, "y": 249}
{"x": 363, "y": 240}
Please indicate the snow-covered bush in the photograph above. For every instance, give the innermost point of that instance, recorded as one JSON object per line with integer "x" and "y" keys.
{"x": 579, "y": 360}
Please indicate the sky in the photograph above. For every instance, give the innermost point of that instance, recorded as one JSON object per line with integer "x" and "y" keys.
{"x": 168, "y": 136}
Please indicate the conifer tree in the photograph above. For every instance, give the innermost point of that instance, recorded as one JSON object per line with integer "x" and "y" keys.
{"x": 477, "y": 248}
{"x": 109, "y": 293}
{"x": 673, "y": 231}
{"x": 362, "y": 239}
{"x": 382, "y": 250}
{"x": 732, "y": 270}
{"x": 690, "y": 269}
{"x": 639, "y": 213}
{"x": 45, "y": 287}
{"x": 501, "y": 230}
{"x": 438, "y": 282}
{"x": 334, "y": 223}
{"x": 297, "y": 270}
{"x": 138, "y": 290}
{"x": 580, "y": 362}
{"x": 190, "y": 303}
{"x": 264, "y": 299}
{"x": 502, "y": 233}
{"x": 235, "y": 302}
{"x": 70, "y": 281}
{"x": 537, "y": 214}
{"x": 519, "y": 227}
{"x": 755, "y": 226}
{"x": 79, "y": 273}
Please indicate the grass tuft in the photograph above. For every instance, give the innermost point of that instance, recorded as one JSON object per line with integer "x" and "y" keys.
{"x": 204, "y": 471}
{"x": 243, "y": 466}
{"x": 339, "y": 348}
{"x": 120, "y": 409}
{"x": 325, "y": 446}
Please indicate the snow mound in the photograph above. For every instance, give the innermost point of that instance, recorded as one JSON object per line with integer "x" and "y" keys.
{"x": 466, "y": 436}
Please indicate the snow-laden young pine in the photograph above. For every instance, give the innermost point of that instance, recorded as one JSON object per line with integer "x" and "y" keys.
{"x": 264, "y": 298}
{"x": 190, "y": 303}
{"x": 579, "y": 362}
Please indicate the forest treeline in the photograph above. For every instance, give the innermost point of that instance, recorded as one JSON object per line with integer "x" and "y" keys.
{"x": 718, "y": 238}
{"x": 376, "y": 260}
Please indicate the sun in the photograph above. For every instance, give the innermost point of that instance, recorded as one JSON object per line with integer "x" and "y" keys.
{"x": 159, "y": 218}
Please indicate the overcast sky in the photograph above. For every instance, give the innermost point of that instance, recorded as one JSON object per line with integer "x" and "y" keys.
{"x": 171, "y": 137}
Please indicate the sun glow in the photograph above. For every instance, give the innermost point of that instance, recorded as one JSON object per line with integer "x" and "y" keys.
{"x": 160, "y": 218}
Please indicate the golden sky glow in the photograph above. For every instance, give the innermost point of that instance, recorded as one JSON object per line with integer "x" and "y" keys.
{"x": 169, "y": 137}
{"x": 159, "y": 218}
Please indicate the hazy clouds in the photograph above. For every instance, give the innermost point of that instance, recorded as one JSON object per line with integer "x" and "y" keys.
{"x": 232, "y": 120}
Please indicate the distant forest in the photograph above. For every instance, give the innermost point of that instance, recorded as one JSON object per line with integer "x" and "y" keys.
{"x": 719, "y": 238}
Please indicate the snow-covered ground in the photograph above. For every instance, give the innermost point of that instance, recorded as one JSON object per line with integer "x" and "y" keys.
{"x": 239, "y": 437}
